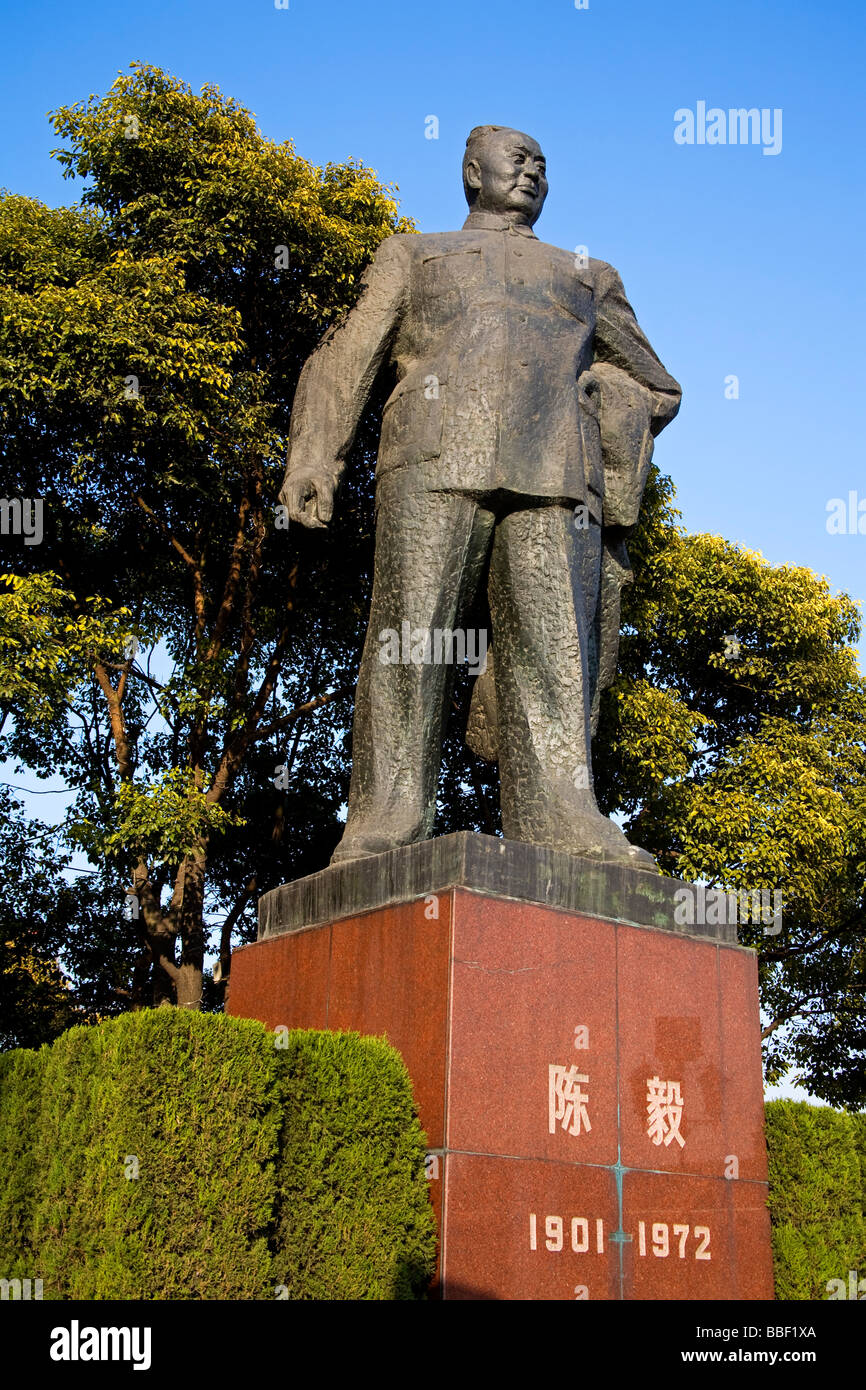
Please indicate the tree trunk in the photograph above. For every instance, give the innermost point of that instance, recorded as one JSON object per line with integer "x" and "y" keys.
{"x": 164, "y": 967}
{"x": 189, "y": 986}
{"x": 189, "y": 977}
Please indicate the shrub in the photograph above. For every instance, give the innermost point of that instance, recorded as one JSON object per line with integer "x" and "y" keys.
{"x": 176, "y": 1155}
{"x": 815, "y": 1197}
{"x": 156, "y": 1145}
{"x": 20, "y": 1098}
{"x": 354, "y": 1221}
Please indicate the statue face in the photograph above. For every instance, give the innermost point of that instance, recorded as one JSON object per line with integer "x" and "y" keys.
{"x": 509, "y": 172}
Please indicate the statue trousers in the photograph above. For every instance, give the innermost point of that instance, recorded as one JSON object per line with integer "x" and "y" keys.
{"x": 541, "y": 559}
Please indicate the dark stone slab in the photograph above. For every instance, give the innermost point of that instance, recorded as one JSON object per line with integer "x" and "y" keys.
{"x": 501, "y": 868}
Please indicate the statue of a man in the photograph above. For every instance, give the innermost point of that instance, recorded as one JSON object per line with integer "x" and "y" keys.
{"x": 513, "y": 453}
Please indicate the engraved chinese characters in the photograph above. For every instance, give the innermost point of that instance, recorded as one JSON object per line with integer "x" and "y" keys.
{"x": 566, "y": 1103}
{"x": 569, "y": 1102}
{"x": 664, "y": 1111}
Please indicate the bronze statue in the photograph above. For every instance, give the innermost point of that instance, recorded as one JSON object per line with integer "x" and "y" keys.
{"x": 514, "y": 451}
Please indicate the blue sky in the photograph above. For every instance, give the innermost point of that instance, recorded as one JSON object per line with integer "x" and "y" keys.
{"x": 738, "y": 263}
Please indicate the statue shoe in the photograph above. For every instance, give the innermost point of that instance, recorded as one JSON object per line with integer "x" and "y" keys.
{"x": 594, "y": 836}
{"x": 361, "y": 847}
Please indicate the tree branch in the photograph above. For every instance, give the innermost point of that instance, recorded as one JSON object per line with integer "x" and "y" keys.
{"x": 194, "y": 566}
{"x": 300, "y": 711}
{"x": 791, "y": 1013}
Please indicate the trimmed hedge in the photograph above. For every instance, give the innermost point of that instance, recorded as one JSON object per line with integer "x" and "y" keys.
{"x": 20, "y": 1098}
{"x": 817, "y": 1170}
{"x": 175, "y": 1155}
{"x": 858, "y": 1124}
{"x": 354, "y": 1214}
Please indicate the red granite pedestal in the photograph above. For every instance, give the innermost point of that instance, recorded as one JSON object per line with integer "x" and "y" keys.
{"x": 591, "y": 1089}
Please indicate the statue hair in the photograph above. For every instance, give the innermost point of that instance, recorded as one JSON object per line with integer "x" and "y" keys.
{"x": 476, "y": 137}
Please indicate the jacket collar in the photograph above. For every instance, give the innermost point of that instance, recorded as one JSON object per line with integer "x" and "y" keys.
{"x": 492, "y": 222}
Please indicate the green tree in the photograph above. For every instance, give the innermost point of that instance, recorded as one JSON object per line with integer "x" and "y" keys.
{"x": 43, "y": 918}
{"x": 165, "y": 644}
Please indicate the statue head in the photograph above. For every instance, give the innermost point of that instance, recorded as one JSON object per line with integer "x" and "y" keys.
{"x": 504, "y": 172}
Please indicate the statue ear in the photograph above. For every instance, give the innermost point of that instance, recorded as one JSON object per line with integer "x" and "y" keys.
{"x": 472, "y": 174}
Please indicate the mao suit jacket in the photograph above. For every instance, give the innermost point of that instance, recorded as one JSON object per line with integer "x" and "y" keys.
{"x": 493, "y": 334}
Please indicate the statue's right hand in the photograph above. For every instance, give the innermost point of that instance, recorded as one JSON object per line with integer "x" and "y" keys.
{"x": 309, "y": 498}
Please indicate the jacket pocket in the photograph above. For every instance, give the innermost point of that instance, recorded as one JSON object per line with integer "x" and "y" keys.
{"x": 412, "y": 424}
{"x": 451, "y": 270}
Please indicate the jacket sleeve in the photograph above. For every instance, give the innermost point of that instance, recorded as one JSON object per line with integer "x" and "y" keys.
{"x": 336, "y": 380}
{"x": 621, "y": 342}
